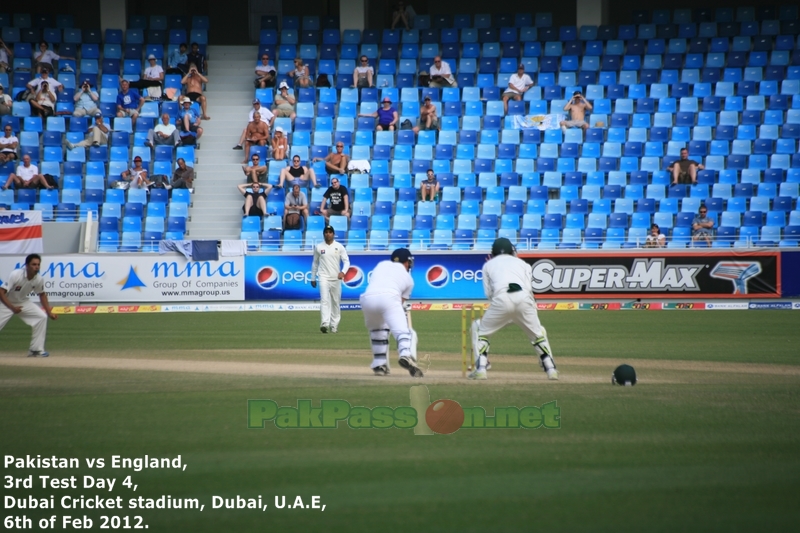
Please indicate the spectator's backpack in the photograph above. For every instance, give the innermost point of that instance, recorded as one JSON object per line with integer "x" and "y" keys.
{"x": 292, "y": 221}
{"x": 406, "y": 125}
{"x": 323, "y": 81}
{"x": 424, "y": 79}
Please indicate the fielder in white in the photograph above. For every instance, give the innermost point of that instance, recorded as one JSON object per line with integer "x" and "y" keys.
{"x": 507, "y": 282}
{"x": 15, "y": 296}
{"x": 328, "y": 257}
{"x": 382, "y": 304}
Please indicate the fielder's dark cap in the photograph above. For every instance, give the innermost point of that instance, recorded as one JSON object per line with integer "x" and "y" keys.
{"x": 624, "y": 375}
{"x": 401, "y": 255}
{"x": 503, "y": 246}
{"x": 328, "y": 229}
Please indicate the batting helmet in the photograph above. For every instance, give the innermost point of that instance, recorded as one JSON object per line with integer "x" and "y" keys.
{"x": 624, "y": 375}
{"x": 401, "y": 255}
{"x": 503, "y": 246}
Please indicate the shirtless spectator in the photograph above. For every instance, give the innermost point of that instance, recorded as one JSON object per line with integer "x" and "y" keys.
{"x": 518, "y": 85}
{"x": 363, "y": 74}
{"x": 256, "y": 134}
{"x": 296, "y": 202}
{"x": 285, "y": 102}
{"x": 256, "y": 171}
{"x": 198, "y": 59}
{"x": 441, "y": 75}
{"x": 194, "y": 88}
{"x": 297, "y": 173}
{"x": 266, "y": 116}
{"x": 164, "y": 133}
{"x": 280, "y": 145}
{"x": 27, "y": 176}
{"x": 183, "y": 177}
{"x": 427, "y": 117}
{"x": 684, "y": 170}
{"x": 336, "y": 162}
{"x": 265, "y": 73}
{"x": 576, "y": 107}
{"x": 8, "y": 145}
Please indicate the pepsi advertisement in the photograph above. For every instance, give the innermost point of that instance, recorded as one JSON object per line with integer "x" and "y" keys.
{"x": 436, "y": 277}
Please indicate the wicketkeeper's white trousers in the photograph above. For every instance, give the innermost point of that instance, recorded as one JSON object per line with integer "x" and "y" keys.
{"x": 34, "y": 316}
{"x": 330, "y": 298}
{"x": 518, "y": 308}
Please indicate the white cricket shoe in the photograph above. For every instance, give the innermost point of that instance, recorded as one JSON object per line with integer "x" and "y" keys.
{"x": 478, "y": 374}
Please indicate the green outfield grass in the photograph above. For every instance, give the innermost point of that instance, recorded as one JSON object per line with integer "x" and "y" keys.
{"x": 703, "y": 443}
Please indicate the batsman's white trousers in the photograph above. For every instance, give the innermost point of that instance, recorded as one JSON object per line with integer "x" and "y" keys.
{"x": 518, "y": 308}
{"x": 385, "y": 311}
{"x": 330, "y": 297}
{"x": 34, "y": 316}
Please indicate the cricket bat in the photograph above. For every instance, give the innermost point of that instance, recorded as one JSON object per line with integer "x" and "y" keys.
{"x": 414, "y": 338}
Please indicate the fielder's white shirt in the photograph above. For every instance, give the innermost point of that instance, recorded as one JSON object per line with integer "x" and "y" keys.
{"x": 327, "y": 258}
{"x": 391, "y": 279}
{"x": 499, "y": 271}
{"x": 519, "y": 83}
{"x": 27, "y": 173}
{"x": 18, "y": 287}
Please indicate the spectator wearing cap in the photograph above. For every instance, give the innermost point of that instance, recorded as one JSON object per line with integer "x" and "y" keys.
{"x": 576, "y": 107}
{"x": 296, "y": 202}
{"x": 265, "y": 115}
{"x": 297, "y": 173}
{"x": 256, "y": 134}
{"x": 363, "y": 74}
{"x": 189, "y": 119}
{"x": 336, "y": 162}
{"x": 165, "y": 133}
{"x": 518, "y": 85}
{"x": 8, "y": 145}
{"x": 441, "y": 75}
{"x": 129, "y": 102}
{"x": 194, "y": 88}
{"x": 387, "y": 116}
{"x": 136, "y": 176}
{"x": 284, "y": 102}
{"x": 6, "y": 103}
{"x": 256, "y": 171}
{"x": 98, "y": 134}
{"x": 197, "y": 58}
{"x": 330, "y": 263}
{"x": 427, "y": 117}
{"x": 46, "y": 57}
{"x": 280, "y": 145}
{"x": 86, "y": 100}
{"x": 265, "y": 73}
{"x": 153, "y": 77}
{"x": 301, "y": 74}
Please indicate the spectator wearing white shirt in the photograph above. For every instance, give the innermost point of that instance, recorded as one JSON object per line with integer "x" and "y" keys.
{"x": 153, "y": 77}
{"x": 8, "y": 145}
{"x": 27, "y": 176}
{"x": 265, "y": 73}
{"x": 164, "y": 133}
{"x": 441, "y": 75}
{"x": 6, "y": 104}
{"x": 518, "y": 85}
{"x": 5, "y": 57}
{"x": 45, "y": 57}
{"x": 54, "y": 84}
{"x": 363, "y": 74}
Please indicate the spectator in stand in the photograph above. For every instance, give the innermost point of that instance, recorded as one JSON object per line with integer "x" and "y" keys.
{"x": 194, "y": 88}
{"x": 297, "y": 173}
{"x": 6, "y": 103}
{"x": 427, "y": 117}
{"x": 336, "y": 162}
{"x": 45, "y": 57}
{"x": 364, "y": 74}
{"x": 256, "y": 134}
{"x": 153, "y": 77}
{"x": 387, "y": 116}
{"x": 183, "y": 177}
{"x": 429, "y": 187}
{"x": 86, "y": 100}
{"x": 684, "y": 170}
{"x": 284, "y": 102}
{"x": 43, "y": 102}
{"x": 164, "y": 133}
{"x": 702, "y": 226}
{"x": 27, "y": 176}
{"x": 265, "y": 73}
{"x": 577, "y": 107}
{"x": 5, "y": 57}
{"x": 54, "y": 84}
{"x": 136, "y": 176}
{"x": 178, "y": 61}
{"x": 8, "y": 145}
{"x": 198, "y": 59}
{"x": 400, "y": 14}
{"x": 256, "y": 171}
{"x": 518, "y": 85}
{"x": 189, "y": 119}
{"x": 339, "y": 200}
{"x": 441, "y": 75}
{"x": 656, "y": 239}
{"x": 280, "y": 145}
{"x": 301, "y": 75}
{"x": 98, "y": 134}
{"x": 255, "y": 194}
{"x": 296, "y": 203}
{"x": 129, "y": 102}
{"x": 265, "y": 115}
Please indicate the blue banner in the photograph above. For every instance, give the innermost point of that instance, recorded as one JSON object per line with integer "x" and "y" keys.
{"x": 436, "y": 277}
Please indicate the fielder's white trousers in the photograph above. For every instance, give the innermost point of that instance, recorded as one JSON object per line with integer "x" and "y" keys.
{"x": 518, "y": 308}
{"x": 330, "y": 297}
{"x": 34, "y": 316}
{"x": 385, "y": 311}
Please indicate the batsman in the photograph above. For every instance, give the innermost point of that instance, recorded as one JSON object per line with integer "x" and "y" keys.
{"x": 507, "y": 282}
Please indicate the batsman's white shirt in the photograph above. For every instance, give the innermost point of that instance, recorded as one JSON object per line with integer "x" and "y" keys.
{"x": 382, "y": 305}
{"x": 392, "y": 280}
{"x": 327, "y": 261}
